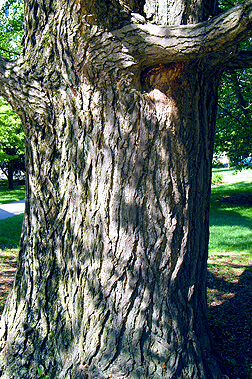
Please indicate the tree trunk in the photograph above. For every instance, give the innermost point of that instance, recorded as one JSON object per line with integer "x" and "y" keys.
{"x": 111, "y": 277}
{"x": 10, "y": 175}
{"x": 111, "y": 281}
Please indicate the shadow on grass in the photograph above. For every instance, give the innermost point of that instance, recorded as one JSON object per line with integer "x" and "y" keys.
{"x": 229, "y": 189}
{"x": 8, "y": 196}
{"x": 230, "y": 317}
{"x": 10, "y": 231}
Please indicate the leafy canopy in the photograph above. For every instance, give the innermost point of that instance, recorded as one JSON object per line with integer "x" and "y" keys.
{"x": 11, "y": 31}
{"x": 11, "y": 133}
{"x": 11, "y": 27}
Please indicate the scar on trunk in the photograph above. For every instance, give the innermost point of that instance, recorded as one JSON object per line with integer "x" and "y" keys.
{"x": 168, "y": 79}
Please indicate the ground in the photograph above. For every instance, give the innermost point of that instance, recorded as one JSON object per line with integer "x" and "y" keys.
{"x": 8, "y": 262}
{"x": 230, "y": 313}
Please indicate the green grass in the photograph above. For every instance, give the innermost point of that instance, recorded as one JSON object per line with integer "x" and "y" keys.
{"x": 10, "y": 228}
{"x": 234, "y": 176}
{"x": 10, "y": 231}
{"x": 230, "y": 271}
{"x": 231, "y": 213}
{"x": 7, "y": 196}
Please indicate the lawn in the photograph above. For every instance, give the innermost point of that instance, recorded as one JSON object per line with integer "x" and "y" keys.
{"x": 230, "y": 271}
{"x": 8, "y": 263}
{"x": 229, "y": 289}
{"x": 7, "y": 196}
{"x": 231, "y": 213}
{"x": 10, "y": 231}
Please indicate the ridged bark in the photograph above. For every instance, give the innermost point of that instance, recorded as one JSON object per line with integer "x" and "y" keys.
{"x": 111, "y": 277}
{"x": 112, "y": 266}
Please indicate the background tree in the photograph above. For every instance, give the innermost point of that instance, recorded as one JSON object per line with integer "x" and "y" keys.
{"x": 234, "y": 127}
{"x": 11, "y": 142}
{"x": 118, "y": 101}
{"x": 11, "y": 132}
{"x": 234, "y": 121}
{"x": 11, "y": 27}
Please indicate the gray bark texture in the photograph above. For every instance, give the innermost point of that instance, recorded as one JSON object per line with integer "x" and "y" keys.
{"x": 118, "y": 101}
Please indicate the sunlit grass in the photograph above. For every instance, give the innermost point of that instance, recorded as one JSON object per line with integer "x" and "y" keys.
{"x": 230, "y": 271}
{"x": 8, "y": 196}
{"x": 233, "y": 176}
{"x": 231, "y": 238}
{"x": 231, "y": 214}
{"x": 230, "y": 245}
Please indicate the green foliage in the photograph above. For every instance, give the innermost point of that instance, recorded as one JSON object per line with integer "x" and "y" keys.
{"x": 11, "y": 133}
{"x": 41, "y": 372}
{"x": 234, "y": 118}
{"x": 11, "y": 27}
{"x": 227, "y": 4}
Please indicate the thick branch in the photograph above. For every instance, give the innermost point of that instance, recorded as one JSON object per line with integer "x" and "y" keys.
{"x": 13, "y": 83}
{"x": 140, "y": 45}
{"x": 24, "y": 94}
{"x": 150, "y": 43}
{"x": 7, "y": 77}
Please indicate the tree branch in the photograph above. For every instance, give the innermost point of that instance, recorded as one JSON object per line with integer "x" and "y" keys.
{"x": 12, "y": 81}
{"x": 231, "y": 115}
{"x": 149, "y": 43}
{"x": 19, "y": 90}
{"x": 5, "y": 74}
{"x": 238, "y": 93}
{"x": 140, "y": 45}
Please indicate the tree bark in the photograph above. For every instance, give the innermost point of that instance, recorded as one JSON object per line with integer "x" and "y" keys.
{"x": 111, "y": 277}
{"x": 112, "y": 266}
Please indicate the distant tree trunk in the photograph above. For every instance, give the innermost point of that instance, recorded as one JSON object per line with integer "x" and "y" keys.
{"x": 111, "y": 277}
{"x": 10, "y": 175}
